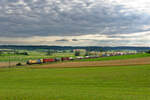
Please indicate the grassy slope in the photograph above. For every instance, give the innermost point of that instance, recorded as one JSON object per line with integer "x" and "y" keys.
{"x": 32, "y": 55}
{"x": 102, "y": 83}
{"x": 35, "y": 55}
{"x": 118, "y": 57}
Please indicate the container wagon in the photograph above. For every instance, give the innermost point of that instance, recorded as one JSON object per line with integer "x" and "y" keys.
{"x": 57, "y": 59}
{"x": 71, "y": 58}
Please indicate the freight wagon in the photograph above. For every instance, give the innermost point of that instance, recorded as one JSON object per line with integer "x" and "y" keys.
{"x": 48, "y": 60}
{"x": 64, "y": 58}
{"x": 78, "y": 58}
{"x": 57, "y": 59}
{"x": 71, "y": 58}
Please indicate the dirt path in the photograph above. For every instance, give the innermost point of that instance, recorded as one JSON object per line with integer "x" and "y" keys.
{"x": 137, "y": 61}
{"x": 6, "y": 64}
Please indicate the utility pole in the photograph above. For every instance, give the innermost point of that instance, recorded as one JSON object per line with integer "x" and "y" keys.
{"x": 9, "y": 62}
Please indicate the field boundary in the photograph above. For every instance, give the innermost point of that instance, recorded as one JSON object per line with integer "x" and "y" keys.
{"x": 126, "y": 62}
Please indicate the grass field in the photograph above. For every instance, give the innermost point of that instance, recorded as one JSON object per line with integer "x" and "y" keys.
{"x": 32, "y": 55}
{"x": 99, "y": 83}
{"x": 38, "y": 55}
{"x": 141, "y": 55}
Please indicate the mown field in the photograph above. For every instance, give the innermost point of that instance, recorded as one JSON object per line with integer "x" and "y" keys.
{"x": 41, "y": 55}
{"x": 140, "y": 55}
{"x": 98, "y": 83}
{"x": 32, "y": 55}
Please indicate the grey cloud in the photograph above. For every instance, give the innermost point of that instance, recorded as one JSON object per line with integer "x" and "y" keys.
{"x": 75, "y": 40}
{"x": 62, "y": 40}
{"x": 29, "y": 18}
{"x": 67, "y": 17}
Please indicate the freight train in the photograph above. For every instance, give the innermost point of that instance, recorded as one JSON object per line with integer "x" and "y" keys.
{"x": 50, "y": 60}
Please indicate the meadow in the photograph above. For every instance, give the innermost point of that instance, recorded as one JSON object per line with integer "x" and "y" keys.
{"x": 122, "y": 57}
{"x": 39, "y": 54}
{"x": 36, "y": 54}
{"x": 98, "y": 83}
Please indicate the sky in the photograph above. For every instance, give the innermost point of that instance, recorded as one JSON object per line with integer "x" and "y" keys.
{"x": 75, "y": 22}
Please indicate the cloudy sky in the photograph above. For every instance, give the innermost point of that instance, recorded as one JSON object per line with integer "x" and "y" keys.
{"x": 75, "y": 22}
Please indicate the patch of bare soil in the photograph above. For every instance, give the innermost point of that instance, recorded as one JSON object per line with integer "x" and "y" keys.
{"x": 136, "y": 61}
{"x": 6, "y": 64}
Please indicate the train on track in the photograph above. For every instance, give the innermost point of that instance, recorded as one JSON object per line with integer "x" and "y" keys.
{"x": 50, "y": 60}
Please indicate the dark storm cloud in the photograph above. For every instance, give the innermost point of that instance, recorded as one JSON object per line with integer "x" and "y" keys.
{"x": 62, "y": 40}
{"x": 25, "y": 18}
{"x": 75, "y": 40}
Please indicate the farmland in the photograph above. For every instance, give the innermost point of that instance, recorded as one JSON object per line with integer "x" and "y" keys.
{"x": 123, "y": 77}
{"x": 97, "y": 83}
{"x": 107, "y": 63}
{"x": 14, "y": 59}
{"x": 36, "y": 54}
{"x": 118, "y": 57}
{"x": 40, "y": 54}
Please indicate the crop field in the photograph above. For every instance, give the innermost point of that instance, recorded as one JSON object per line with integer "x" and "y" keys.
{"x": 141, "y": 55}
{"x": 107, "y": 63}
{"x": 40, "y": 54}
{"x": 123, "y": 77}
{"x": 92, "y": 83}
{"x": 4, "y": 59}
{"x": 32, "y": 55}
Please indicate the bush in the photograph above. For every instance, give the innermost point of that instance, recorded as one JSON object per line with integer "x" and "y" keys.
{"x": 77, "y": 53}
{"x": 18, "y": 64}
{"x": 148, "y": 51}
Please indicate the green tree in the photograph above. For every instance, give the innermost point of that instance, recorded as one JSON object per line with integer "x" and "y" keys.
{"x": 148, "y": 51}
{"x": 1, "y": 52}
{"x": 87, "y": 53}
{"x": 50, "y": 52}
{"x": 101, "y": 50}
{"x": 77, "y": 53}
{"x": 26, "y": 53}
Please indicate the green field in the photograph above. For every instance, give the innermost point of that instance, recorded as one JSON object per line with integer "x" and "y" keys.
{"x": 41, "y": 55}
{"x": 99, "y": 83}
{"x": 32, "y": 55}
{"x": 141, "y": 55}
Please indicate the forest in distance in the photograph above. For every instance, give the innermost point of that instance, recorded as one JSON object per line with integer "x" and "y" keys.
{"x": 90, "y": 48}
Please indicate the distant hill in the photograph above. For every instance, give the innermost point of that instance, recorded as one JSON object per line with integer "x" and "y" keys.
{"x": 91, "y": 48}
